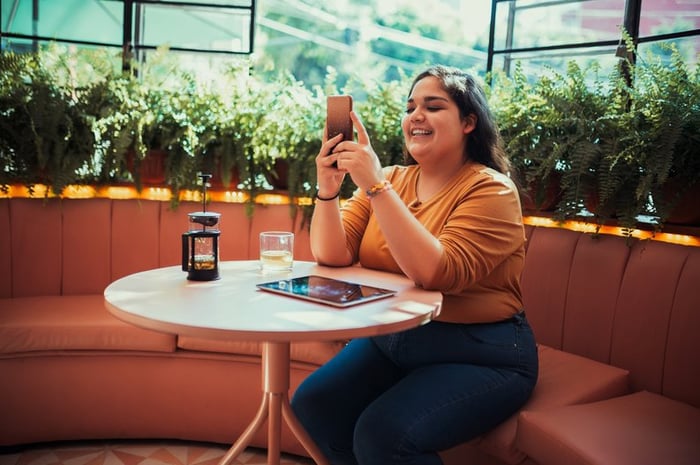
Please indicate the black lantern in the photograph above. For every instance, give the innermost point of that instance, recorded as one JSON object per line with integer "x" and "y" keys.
{"x": 200, "y": 245}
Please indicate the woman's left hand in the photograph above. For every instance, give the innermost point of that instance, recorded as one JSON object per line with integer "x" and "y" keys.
{"x": 358, "y": 159}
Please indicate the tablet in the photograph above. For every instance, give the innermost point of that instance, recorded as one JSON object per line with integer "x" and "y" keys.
{"x": 326, "y": 290}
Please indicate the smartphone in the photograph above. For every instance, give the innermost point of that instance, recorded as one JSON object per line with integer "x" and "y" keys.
{"x": 338, "y": 120}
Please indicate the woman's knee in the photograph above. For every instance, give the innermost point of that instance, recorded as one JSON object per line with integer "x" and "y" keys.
{"x": 381, "y": 437}
{"x": 373, "y": 438}
{"x": 383, "y": 443}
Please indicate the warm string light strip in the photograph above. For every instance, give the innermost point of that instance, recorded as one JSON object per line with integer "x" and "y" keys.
{"x": 582, "y": 226}
{"x": 164, "y": 194}
{"x": 147, "y": 193}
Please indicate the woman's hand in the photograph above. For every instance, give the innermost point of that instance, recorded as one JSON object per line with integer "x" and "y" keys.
{"x": 327, "y": 174}
{"x": 358, "y": 158}
{"x": 327, "y": 235}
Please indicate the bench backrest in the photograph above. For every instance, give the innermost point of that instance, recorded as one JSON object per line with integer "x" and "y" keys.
{"x": 634, "y": 304}
{"x": 78, "y": 246}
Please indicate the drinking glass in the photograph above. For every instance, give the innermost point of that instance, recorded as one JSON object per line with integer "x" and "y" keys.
{"x": 276, "y": 251}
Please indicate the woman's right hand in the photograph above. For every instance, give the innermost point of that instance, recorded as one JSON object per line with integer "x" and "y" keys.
{"x": 328, "y": 176}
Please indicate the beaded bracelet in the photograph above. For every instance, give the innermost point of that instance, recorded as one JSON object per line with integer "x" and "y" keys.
{"x": 378, "y": 189}
{"x": 326, "y": 199}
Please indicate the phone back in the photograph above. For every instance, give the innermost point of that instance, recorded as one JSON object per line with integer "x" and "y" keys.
{"x": 338, "y": 116}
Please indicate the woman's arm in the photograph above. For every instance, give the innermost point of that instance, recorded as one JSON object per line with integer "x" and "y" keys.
{"x": 414, "y": 248}
{"x": 328, "y": 240}
{"x": 327, "y": 236}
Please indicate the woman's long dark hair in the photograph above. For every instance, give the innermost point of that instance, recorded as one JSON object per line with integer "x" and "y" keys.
{"x": 484, "y": 144}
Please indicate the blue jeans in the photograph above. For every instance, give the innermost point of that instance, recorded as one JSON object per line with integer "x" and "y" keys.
{"x": 400, "y": 398}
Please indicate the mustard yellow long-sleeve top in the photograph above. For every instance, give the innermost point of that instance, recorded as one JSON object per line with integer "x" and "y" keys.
{"x": 477, "y": 218}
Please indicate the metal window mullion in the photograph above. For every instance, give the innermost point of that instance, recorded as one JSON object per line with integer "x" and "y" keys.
{"x": 127, "y": 39}
{"x": 203, "y": 5}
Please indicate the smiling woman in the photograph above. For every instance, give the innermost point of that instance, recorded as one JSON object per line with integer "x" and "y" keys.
{"x": 464, "y": 237}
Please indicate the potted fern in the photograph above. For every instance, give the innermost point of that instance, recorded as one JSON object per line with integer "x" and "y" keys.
{"x": 667, "y": 92}
{"x": 46, "y": 129}
{"x": 550, "y": 130}
{"x": 381, "y": 114}
{"x": 523, "y": 114}
{"x": 612, "y": 145}
{"x": 650, "y": 156}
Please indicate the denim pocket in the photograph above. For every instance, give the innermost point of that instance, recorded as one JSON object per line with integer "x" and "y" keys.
{"x": 502, "y": 334}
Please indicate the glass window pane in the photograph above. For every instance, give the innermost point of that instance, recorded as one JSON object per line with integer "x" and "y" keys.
{"x": 100, "y": 21}
{"x": 236, "y": 3}
{"x": 18, "y": 45}
{"x": 689, "y": 47}
{"x": 206, "y": 66}
{"x": 192, "y": 27}
{"x": 665, "y": 16}
{"x": 541, "y": 24}
{"x": 534, "y": 64}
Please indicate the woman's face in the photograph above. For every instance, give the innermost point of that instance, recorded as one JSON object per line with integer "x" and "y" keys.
{"x": 432, "y": 126}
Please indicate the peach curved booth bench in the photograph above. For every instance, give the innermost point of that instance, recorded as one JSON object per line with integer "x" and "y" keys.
{"x": 616, "y": 322}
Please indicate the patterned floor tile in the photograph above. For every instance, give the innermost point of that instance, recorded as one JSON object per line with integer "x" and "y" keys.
{"x": 136, "y": 453}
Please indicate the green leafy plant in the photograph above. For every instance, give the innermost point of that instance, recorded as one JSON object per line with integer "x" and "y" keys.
{"x": 553, "y": 137}
{"x": 381, "y": 113}
{"x": 667, "y": 98}
{"x": 523, "y": 116}
{"x": 650, "y": 157}
{"x": 46, "y": 133}
{"x": 606, "y": 144}
{"x": 120, "y": 113}
{"x": 610, "y": 145}
{"x": 290, "y": 136}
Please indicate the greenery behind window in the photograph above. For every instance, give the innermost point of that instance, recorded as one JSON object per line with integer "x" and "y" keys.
{"x": 372, "y": 39}
{"x": 548, "y": 35}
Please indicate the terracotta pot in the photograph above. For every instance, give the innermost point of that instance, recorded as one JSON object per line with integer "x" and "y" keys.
{"x": 686, "y": 211}
{"x": 150, "y": 170}
{"x": 279, "y": 178}
{"x": 541, "y": 198}
{"x": 217, "y": 180}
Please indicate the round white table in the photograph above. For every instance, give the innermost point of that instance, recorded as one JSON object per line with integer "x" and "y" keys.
{"x": 233, "y": 308}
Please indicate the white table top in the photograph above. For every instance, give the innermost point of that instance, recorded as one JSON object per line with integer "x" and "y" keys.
{"x": 233, "y": 308}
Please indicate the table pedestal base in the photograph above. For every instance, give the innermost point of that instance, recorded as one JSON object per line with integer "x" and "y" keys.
{"x": 274, "y": 408}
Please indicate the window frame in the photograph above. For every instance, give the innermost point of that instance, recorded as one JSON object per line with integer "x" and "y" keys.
{"x": 131, "y": 32}
{"x": 631, "y": 22}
